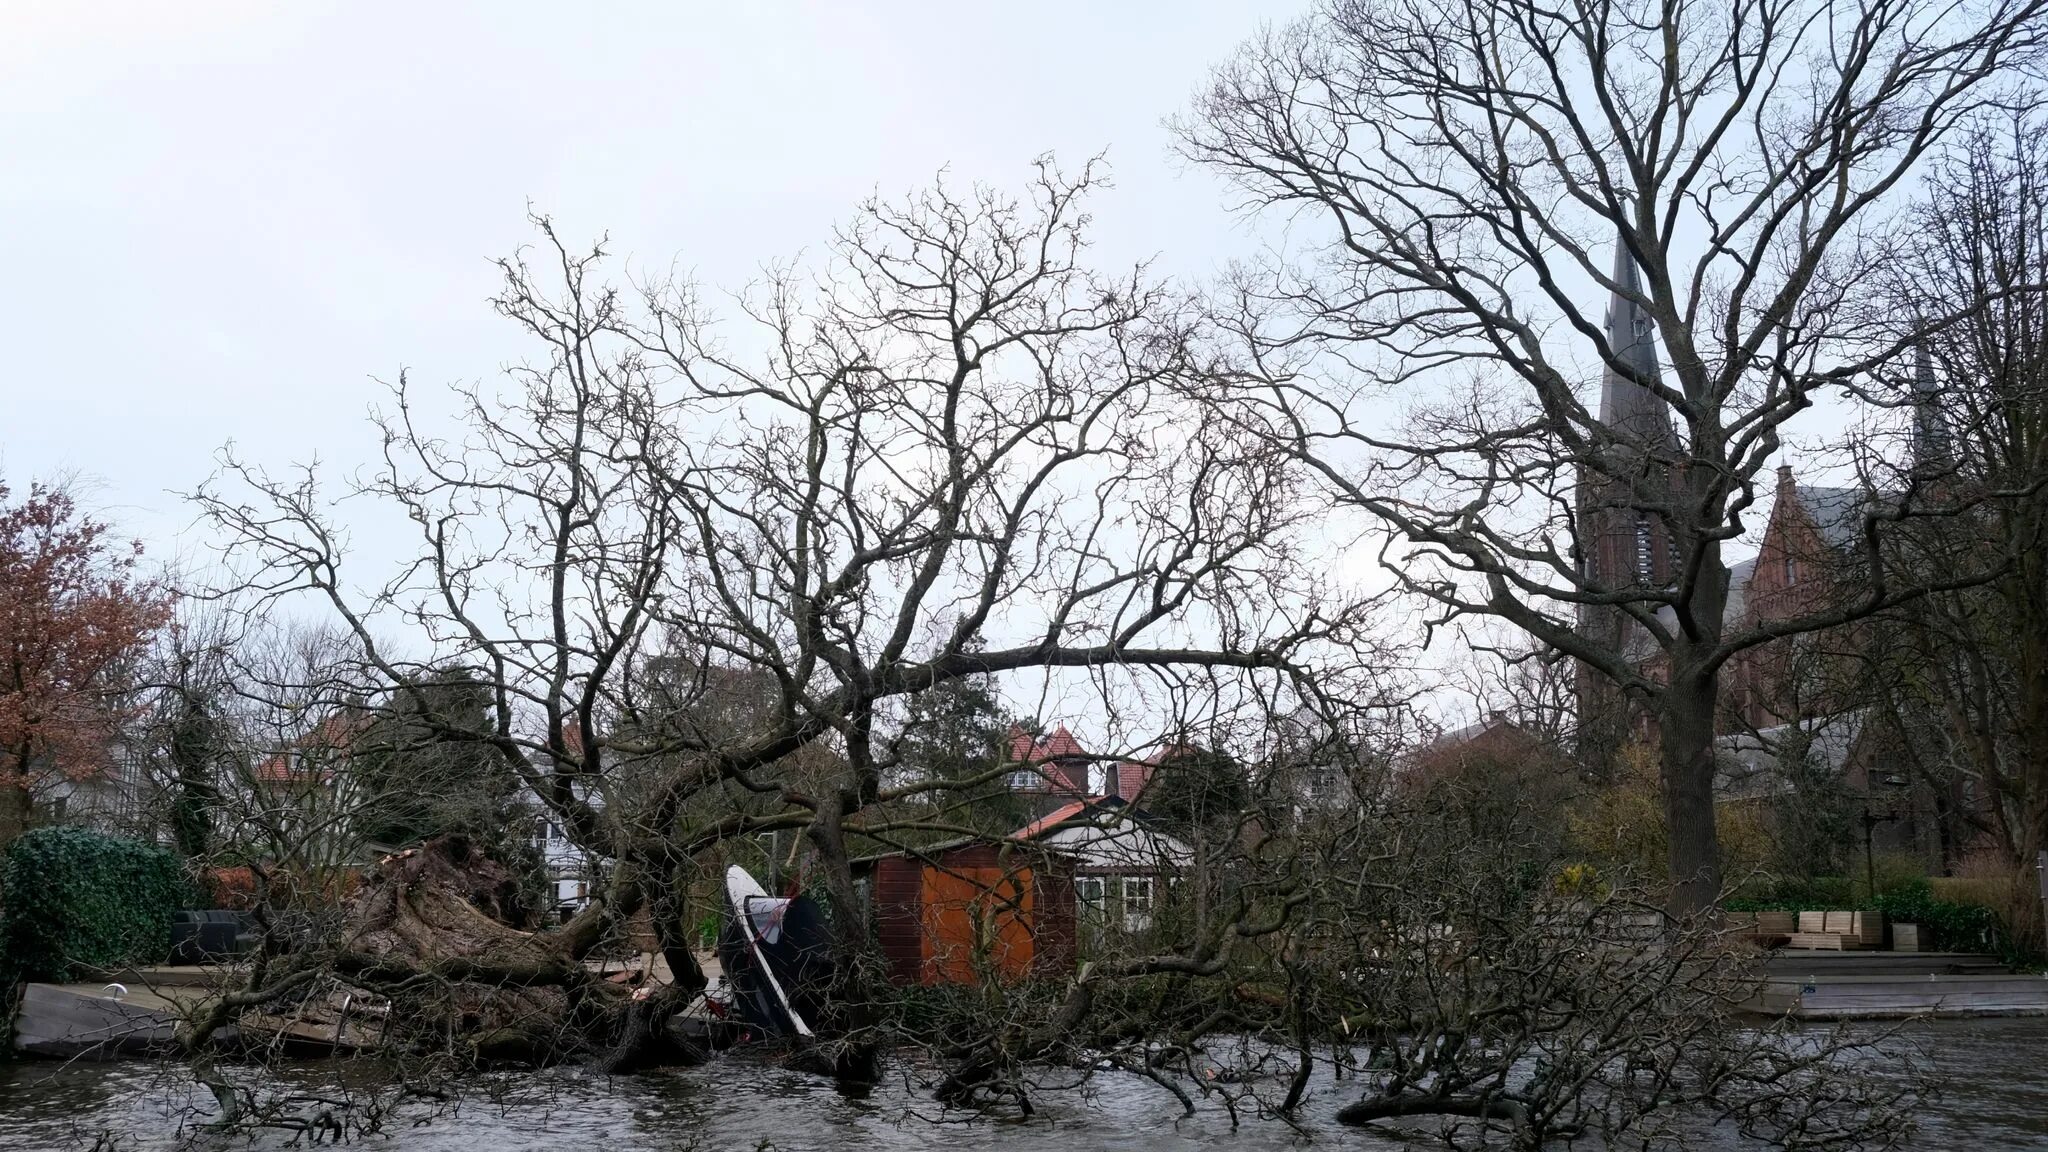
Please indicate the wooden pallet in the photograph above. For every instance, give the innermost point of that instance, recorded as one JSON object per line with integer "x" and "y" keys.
{"x": 1775, "y": 924}
{"x": 1866, "y": 927}
{"x": 1831, "y": 941}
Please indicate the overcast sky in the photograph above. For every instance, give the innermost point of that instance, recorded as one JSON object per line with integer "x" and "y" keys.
{"x": 219, "y": 222}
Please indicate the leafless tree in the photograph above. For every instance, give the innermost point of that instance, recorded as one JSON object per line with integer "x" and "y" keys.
{"x": 1969, "y": 670}
{"x": 1468, "y": 165}
{"x": 699, "y": 568}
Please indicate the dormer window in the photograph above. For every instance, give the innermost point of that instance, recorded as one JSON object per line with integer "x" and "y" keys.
{"x": 1100, "y": 780}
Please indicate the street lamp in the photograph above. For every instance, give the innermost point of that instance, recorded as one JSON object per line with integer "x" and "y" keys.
{"x": 1870, "y": 822}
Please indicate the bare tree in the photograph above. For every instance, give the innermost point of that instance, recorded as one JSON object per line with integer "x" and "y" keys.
{"x": 1969, "y": 670}
{"x": 1478, "y": 978}
{"x": 1470, "y": 164}
{"x": 950, "y": 452}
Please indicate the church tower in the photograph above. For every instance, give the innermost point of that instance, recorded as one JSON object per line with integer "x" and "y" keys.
{"x": 1624, "y": 542}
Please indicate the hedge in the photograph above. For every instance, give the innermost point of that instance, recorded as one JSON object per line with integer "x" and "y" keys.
{"x": 71, "y": 897}
{"x": 1945, "y": 925}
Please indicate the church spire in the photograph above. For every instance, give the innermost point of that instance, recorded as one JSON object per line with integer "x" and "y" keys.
{"x": 1930, "y": 432}
{"x": 1626, "y": 406}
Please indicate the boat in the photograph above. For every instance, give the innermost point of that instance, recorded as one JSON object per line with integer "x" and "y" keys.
{"x": 776, "y": 953}
{"x": 136, "y": 1011}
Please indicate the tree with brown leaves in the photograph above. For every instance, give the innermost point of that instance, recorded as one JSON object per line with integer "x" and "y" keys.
{"x": 74, "y": 615}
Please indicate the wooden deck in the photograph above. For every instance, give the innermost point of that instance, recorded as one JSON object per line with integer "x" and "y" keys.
{"x": 1848, "y": 985}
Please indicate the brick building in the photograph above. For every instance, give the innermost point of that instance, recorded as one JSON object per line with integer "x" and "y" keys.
{"x": 1811, "y": 695}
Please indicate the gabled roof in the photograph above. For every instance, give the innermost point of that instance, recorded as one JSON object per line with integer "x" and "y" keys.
{"x": 334, "y": 733}
{"x": 1093, "y": 810}
{"x": 1106, "y": 833}
{"x": 1059, "y": 744}
{"x": 1052, "y": 819}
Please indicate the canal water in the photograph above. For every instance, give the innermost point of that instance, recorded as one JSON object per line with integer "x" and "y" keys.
{"x": 1996, "y": 1097}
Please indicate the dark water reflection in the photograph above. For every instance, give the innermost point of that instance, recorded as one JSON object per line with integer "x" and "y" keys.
{"x": 1996, "y": 1098}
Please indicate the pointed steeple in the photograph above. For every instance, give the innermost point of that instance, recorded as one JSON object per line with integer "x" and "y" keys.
{"x": 1930, "y": 431}
{"x": 1626, "y": 406}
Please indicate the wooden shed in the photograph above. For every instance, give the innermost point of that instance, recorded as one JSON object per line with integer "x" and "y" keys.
{"x": 948, "y": 914}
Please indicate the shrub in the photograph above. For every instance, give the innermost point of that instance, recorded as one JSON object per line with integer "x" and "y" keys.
{"x": 233, "y": 888}
{"x": 1946, "y": 925}
{"x": 70, "y": 897}
{"x": 1798, "y": 894}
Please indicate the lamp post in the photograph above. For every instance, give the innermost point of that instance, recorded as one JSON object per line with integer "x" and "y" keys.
{"x": 2041, "y": 872}
{"x": 1870, "y": 822}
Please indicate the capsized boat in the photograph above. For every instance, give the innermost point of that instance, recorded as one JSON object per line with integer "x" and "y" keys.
{"x": 777, "y": 956}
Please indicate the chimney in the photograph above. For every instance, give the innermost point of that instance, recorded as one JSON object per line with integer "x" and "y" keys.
{"x": 1784, "y": 477}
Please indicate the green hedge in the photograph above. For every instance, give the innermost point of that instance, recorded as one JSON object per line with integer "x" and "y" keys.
{"x": 1945, "y": 925}
{"x": 70, "y": 897}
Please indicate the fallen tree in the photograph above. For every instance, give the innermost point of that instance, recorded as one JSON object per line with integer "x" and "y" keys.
{"x": 430, "y": 939}
{"x": 701, "y": 592}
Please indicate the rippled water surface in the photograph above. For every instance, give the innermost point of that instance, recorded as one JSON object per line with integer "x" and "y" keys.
{"x": 1996, "y": 1098}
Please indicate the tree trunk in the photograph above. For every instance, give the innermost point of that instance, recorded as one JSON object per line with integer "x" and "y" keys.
{"x": 196, "y": 798}
{"x": 17, "y": 804}
{"x": 2033, "y": 712}
{"x": 1686, "y": 735}
{"x": 856, "y": 1060}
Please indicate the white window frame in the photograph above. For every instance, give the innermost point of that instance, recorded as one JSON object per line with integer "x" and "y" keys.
{"x": 1137, "y": 893}
{"x": 1091, "y": 897}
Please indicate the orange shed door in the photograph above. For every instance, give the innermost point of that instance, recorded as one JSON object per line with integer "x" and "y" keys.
{"x": 975, "y": 917}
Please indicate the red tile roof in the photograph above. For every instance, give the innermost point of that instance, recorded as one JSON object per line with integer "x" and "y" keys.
{"x": 1131, "y": 778}
{"x": 1059, "y": 745}
{"x": 335, "y": 732}
{"x": 1020, "y": 744}
{"x": 1060, "y": 815}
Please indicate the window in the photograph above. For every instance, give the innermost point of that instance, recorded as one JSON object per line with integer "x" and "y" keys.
{"x": 1137, "y": 901}
{"x": 554, "y": 831}
{"x": 1645, "y": 553}
{"x": 1088, "y": 897}
{"x": 1791, "y": 569}
{"x": 1026, "y": 780}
